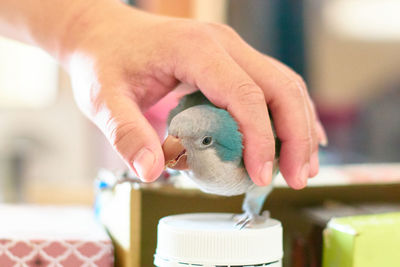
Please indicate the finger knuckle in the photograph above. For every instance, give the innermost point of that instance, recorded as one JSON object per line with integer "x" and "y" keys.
{"x": 190, "y": 40}
{"x": 306, "y": 142}
{"x": 247, "y": 93}
{"x": 223, "y": 29}
{"x": 301, "y": 81}
{"x": 265, "y": 148}
{"x": 193, "y": 32}
{"x": 295, "y": 88}
{"x": 269, "y": 143}
{"x": 96, "y": 100}
{"x": 314, "y": 136}
{"x": 117, "y": 132}
{"x": 298, "y": 79}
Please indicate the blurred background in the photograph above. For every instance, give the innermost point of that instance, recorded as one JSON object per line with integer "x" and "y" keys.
{"x": 348, "y": 51}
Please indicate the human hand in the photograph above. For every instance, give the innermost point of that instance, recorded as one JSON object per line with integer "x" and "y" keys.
{"x": 123, "y": 61}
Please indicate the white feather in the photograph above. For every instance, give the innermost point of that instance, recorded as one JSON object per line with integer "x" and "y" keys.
{"x": 215, "y": 176}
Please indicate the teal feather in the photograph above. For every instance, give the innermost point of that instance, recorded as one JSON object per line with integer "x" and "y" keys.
{"x": 228, "y": 139}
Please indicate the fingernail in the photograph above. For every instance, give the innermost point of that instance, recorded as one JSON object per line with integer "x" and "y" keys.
{"x": 314, "y": 164}
{"x": 323, "y": 142}
{"x": 304, "y": 174}
{"x": 143, "y": 163}
{"x": 266, "y": 173}
{"x": 323, "y": 139}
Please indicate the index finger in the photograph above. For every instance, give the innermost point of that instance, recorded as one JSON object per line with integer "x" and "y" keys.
{"x": 223, "y": 81}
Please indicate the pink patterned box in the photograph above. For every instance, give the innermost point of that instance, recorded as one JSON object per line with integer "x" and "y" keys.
{"x": 33, "y": 236}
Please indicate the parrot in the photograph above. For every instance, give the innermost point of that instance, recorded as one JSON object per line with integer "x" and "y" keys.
{"x": 205, "y": 143}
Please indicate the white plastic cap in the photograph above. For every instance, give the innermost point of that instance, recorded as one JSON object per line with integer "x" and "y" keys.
{"x": 210, "y": 239}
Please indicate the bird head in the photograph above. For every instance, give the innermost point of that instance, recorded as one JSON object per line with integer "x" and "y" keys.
{"x": 198, "y": 131}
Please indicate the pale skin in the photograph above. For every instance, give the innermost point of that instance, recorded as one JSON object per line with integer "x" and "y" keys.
{"x": 122, "y": 61}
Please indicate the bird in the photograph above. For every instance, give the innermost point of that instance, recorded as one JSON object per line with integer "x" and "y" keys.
{"x": 204, "y": 141}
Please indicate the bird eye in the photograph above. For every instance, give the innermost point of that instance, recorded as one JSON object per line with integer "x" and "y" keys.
{"x": 207, "y": 140}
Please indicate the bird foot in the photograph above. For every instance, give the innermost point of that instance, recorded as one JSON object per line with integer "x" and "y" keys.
{"x": 248, "y": 220}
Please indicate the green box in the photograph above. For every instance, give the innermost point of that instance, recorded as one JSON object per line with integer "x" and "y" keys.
{"x": 363, "y": 241}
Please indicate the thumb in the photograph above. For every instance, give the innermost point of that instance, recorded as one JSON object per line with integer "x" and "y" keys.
{"x": 131, "y": 135}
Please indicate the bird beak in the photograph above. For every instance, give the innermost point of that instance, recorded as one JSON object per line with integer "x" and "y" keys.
{"x": 174, "y": 153}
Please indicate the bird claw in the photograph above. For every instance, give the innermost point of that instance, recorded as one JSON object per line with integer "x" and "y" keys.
{"x": 243, "y": 220}
{"x": 248, "y": 220}
{"x": 244, "y": 223}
